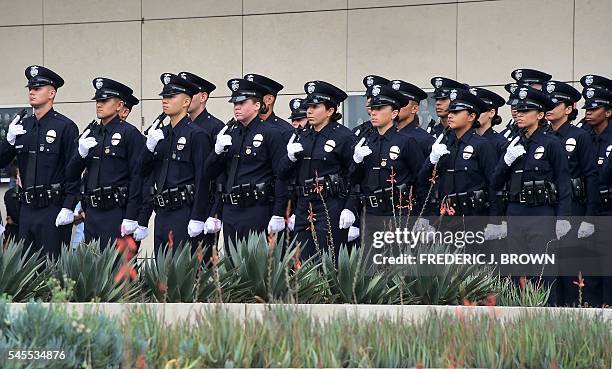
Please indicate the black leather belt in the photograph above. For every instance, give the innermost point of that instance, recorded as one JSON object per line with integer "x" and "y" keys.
{"x": 578, "y": 190}
{"x": 386, "y": 198}
{"x": 174, "y": 198}
{"x": 106, "y": 197}
{"x": 536, "y": 193}
{"x": 247, "y": 195}
{"x": 469, "y": 203}
{"x": 325, "y": 186}
{"x": 606, "y": 199}
{"x": 41, "y": 196}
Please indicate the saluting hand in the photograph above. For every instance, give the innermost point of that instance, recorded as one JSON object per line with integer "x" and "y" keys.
{"x": 153, "y": 138}
{"x": 438, "y": 150}
{"x": 14, "y": 130}
{"x": 514, "y": 151}
{"x": 86, "y": 143}
{"x": 361, "y": 151}
{"x": 293, "y": 148}
{"x": 222, "y": 141}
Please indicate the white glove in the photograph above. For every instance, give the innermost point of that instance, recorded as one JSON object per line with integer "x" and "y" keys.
{"x": 585, "y": 230}
{"x": 141, "y": 233}
{"x": 496, "y": 231}
{"x": 13, "y": 131}
{"x": 153, "y": 138}
{"x": 562, "y": 227}
{"x": 293, "y": 148}
{"x": 360, "y": 151}
{"x": 212, "y": 225}
{"x": 291, "y": 222}
{"x": 276, "y": 224}
{"x": 195, "y": 227}
{"x": 86, "y": 143}
{"x": 353, "y": 233}
{"x": 64, "y": 217}
{"x": 222, "y": 141}
{"x": 438, "y": 150}
{"x": 347, "y": 218}
{"x": 128, "y": 227}
{"x": 514, "y": 151}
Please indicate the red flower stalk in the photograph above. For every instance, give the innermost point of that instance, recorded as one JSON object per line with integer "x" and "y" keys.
{"x": 312, "y": 217}
{"x": 126, "y": 272}
{"x": 522, "y": 282}
{"x": 141, "y": 362}
{"x": 491, "y": 300}
{"x": 392, "y": 179}
{"x": 467, "y": 302}
{"x": 200, "y": 253}
{"x": 170, "y": 239}
{"x": 434, "y": 176}
{"x": 580, "y": 281}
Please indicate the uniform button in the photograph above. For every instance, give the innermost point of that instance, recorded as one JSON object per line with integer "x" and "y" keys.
{"x": 465, "y": 168}
{"x": 536, "y": 168}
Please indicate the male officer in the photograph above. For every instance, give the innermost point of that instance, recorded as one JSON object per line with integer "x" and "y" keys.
{"x": 43, "y": 144}
{"x": 174, "y": 157}
{"x": 298, "y": 114}
{"x": 365, "y": 128}
{"x": 129, "y": 103}
{"x": 408, "y": 120}
{"x": 247, "y": 152}
{"x": 110, "y": 152}
{"x": 442, "y": 87}
{"x": 269, "y": 99}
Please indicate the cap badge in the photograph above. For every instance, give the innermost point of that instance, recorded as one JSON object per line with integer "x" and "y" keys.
{"x": 590, "y": 93}
{"x": 513, "y": 87}
{"x": 588, "y": 80}
{"x": 99, "y": 83}
{"x": 296, "y": 104}
{"x": 369, "y": 81}
{"x": 523, "y": 93}
{"x": 235, "y": 84}
{"x": 34, "y": 71}
{"x": 311, "y": 87}
{"x": 453, "y": 94}
{"x": 395, "y": 85}
{"x": 166, "y": 78}
{"x": 249, "y": 77}
{"x": 518, "y": 74}
{"x": 550, "y": 87}
{"x": 473, "y": 91}
{"x": 183, "y": 76}
{"x": 438, "y": 82}
{"x": 375, "y": 90}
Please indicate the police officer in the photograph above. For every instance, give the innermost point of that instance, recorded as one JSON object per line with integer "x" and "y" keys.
{"x": 174, "y": 161}
{"x": 490, "y": 118}
{"x": 386, "y": 163}
{"x": 298, "y": 114}
{"x": 592, "y": 80}
{"x": 43, "y": 144}
{"x": 408, "y": 120}
{"x": 110, "y": 153}
{"x": 248, "y": 153}
{"x": 269, "y": 99}
{"x": 511, "y": 129}
{"x": 535, "y": 168}
{"x": 365, "y": 128}
{"x": 465, "y": 171}
{"x": 129, "y": 103}
{"x": 319, "y": 159}
{"x": 583, "y": 173}
{"x": 442, "y": 87}
{"x": 530, "y": 77}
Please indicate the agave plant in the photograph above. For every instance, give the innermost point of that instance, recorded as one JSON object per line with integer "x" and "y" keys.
{"x": 21, "y": 275}
{"x": 268, "y": 273}
{"x": 350, "y": 282}
{"x": 93, "y": 271}
{"x": 527, "y": 293}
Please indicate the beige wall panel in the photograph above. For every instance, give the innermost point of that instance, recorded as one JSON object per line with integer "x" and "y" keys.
{"x": 491, "y": 43}
{"x": 591, "y": 48}
{"x": 281, "y": 6}
{"x": 77, "y": 11}
{"x": 162, "y": 9}
{"x": 79, "y": 54}
{"x": 26, "y": 49}
{"x": 302, "y": 47}
{"x": 20, "y": 12}
{"x": 208, "y": 47}
{"x": 80, "y": 113}
{"x": 382, "y": 3}
{"x": 401, "y": 43}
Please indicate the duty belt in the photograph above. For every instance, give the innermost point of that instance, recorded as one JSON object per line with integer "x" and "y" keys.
{"x": 386, "y": 198}
{"x": 536, "y": 193}
{"x": 468, "y": 203}
{"x": 314, "y": 188}
{"x": 606, "y": 199}
{"x": 578, "y": 190}
{"x": 247, "y": 195}
{"x": 174, "y": 198}
{"x": 41, "y": 196}
{"x": 105, "y": 198}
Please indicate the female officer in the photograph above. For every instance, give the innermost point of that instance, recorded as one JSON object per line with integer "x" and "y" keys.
{"x": 319, "y": 158}
{"x": 386, "y": 164}
{"x": 537, "y": 176}
{"x": 490, "y": 118}
{"x": 465, "y": 170}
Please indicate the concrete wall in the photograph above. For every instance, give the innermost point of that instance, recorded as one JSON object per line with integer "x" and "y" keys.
{"x": 340, "y": 41}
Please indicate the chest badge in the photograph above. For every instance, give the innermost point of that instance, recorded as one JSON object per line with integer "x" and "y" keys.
{"x": 608, "y": 149}
{"x": 383, "y": 163}
{"x": 394, "y": 152}
{"x": 468, "y": 152}
{"x": 330, "y": 145}
{"x": 248, "y": 150}
{"x": 539, "y": 153}
{"x": 180, "y": 144}
{"x": 51, "y": 136}
{"x": 257, "y": 140}
{"x": 115, "y": 139}
{"x": 570, "y": 144}
{"x": 107, "y": 150}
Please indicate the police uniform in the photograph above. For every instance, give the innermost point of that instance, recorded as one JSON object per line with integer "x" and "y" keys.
{"x": 43, "y": 152}
{"x": 252, "y": 193}
{"x": 493, "y": 101}
{"x": 412, "y": 129}
{"x": 321, "y": 170}
{"x": 442, "y": 86}
{"x": 387, "y": 177}
{"x": 593, "y": 81}
{"x": 112, "y": 191}
{"x": 530, "y": 77}
{"x": 175, "y": 167}
{"x": 131, "y": 101}
{"x": 273, "y": 88}
{"x": 465, "y": 175}
{"x": 365, "y": 128}
{"x": 511, "y": 129}
{"x": 298, "y": 111}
